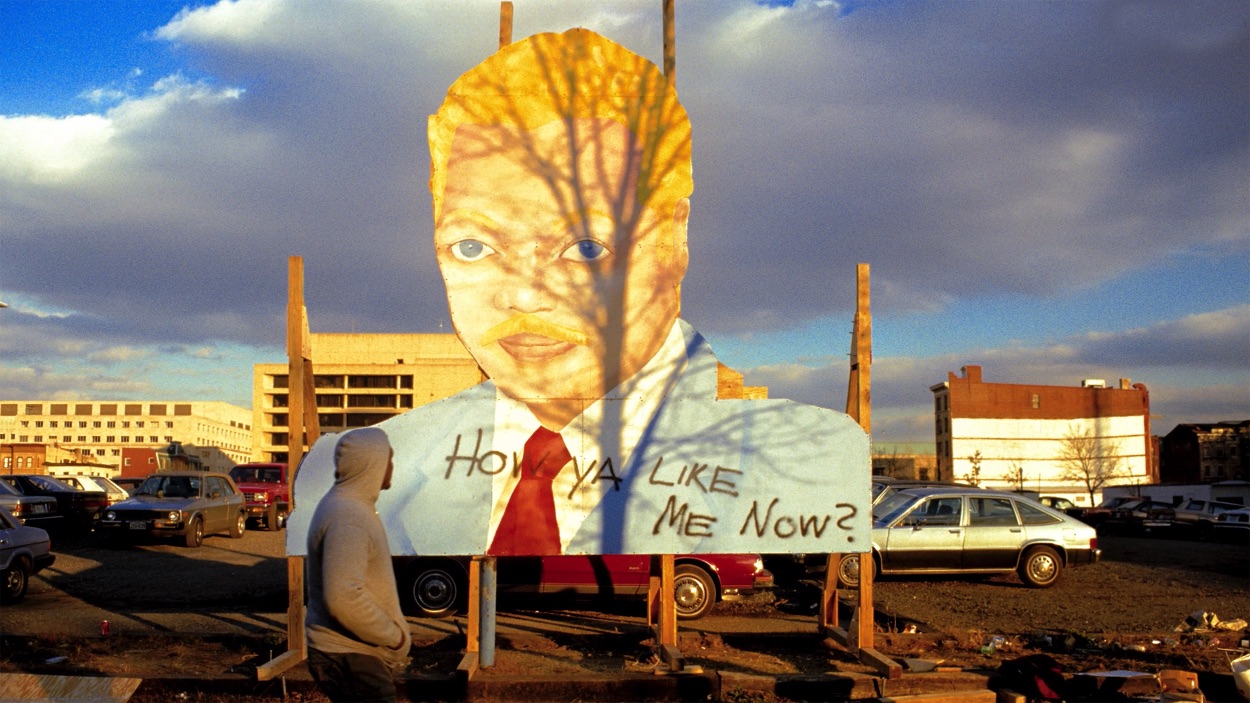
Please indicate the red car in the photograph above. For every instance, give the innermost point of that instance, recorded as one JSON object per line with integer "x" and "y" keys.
{"x": 267, "y": 490}
{"x": 437, "y": 586}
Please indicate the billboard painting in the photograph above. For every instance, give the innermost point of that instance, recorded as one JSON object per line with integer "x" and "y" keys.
{"x": 561, "y": 178}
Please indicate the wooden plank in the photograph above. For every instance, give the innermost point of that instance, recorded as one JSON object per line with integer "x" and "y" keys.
{"x": 295, "y": 362}
{"x": 505, "y": 24}
{"x": 473, "y": 627}
{"x": 971, "y": 696}
{"x": 19, "y": 688}
{"x": 670, "y": 43}
{"x": 884, "y": 665}
{"x": 277, "y": 666}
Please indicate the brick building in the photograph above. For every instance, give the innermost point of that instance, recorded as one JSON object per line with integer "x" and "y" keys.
{"x": 1022, "y": 436}
{"x": 1197, "y": 453}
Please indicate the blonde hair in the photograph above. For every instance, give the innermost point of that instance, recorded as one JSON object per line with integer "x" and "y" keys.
{"x": 552, "y": 77}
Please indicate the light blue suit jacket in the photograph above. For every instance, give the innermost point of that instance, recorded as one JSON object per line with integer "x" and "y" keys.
{"x": 707, "y": 476}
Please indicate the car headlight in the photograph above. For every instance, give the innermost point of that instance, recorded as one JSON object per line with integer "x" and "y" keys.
{"x": 110, "y": 515}
{"x": 174, "y": 516}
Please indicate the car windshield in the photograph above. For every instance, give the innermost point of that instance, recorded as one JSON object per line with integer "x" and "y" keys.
{"x": 46, "y": 483}
{"x": 890, "y": 507}
{"x": 170, "y": 487}
{"x": 256, "y": 474}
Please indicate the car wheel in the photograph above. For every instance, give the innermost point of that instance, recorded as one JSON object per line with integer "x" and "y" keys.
{"x": 271, "y": 518}
{"x": 239, "y": 526}
{"x": 16, "y": 579}
{"x": 1041, "y": 567}
{"x": 848, "y": 570}
{"x": 195, "y": 533}
{"x": 693, "y": 591}
{"x": 433, "y": 589}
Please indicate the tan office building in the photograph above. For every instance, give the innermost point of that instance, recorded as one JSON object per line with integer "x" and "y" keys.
{"x": 103, "y": 429}
{"x": 360, "y": 380}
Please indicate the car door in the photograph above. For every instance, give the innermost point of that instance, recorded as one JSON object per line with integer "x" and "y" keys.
{"x": 994, "y": 534}
{"x": 604, "y": 574}
{"x": 929, "y": 537}
{"x": 217, "y": 500}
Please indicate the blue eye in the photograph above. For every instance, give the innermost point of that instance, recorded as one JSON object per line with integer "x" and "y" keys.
{"x": 585, "y": 250}
{"x": 470, "y": 250}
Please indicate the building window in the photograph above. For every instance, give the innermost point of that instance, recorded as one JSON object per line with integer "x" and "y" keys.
{"x": 34, "y": 408}
{"x": 82, "y": 409}
{"x": 1037, "y": 401}
{"x": 110, "y": 409}
{"x": 59, "y": 409}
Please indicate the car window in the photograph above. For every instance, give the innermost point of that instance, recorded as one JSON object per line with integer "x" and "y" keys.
{"x": 216, "y": 484}
{"x": 48, "y": 484}
{"x": 6, "y": 520}
{"x": 991, "y": 512}
{"x": 1195, "y": 505}
{"x": 1034, "y": 515}
{"x": 935, "y": 512}
{"x": 6, "y": 489}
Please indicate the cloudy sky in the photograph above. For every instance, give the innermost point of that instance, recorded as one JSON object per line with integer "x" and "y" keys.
{"x": 1051, "y": 190}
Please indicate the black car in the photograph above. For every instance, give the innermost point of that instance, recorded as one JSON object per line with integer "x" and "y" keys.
{"x": 79, "y": 508}
{"x": 36, "y": 511}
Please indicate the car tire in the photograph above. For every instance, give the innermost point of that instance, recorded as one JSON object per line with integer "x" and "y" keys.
{"x": 433, "y": 588}
{"x": 16, "y": 579}
{"x": 848, "y": 570}
{"x": 195, "y": 533}
{"x": 694, "y": 591}
{"x": 240, "y": 525}
{"x": 271, "y": 519}
{"x": 1041, "y": 567}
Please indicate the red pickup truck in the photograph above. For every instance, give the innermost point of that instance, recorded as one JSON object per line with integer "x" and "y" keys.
{"x": 267, "y": 490}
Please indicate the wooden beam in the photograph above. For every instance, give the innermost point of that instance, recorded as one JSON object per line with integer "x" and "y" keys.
{"x": 505, "y": 24}
{"x": 670, "y": 43}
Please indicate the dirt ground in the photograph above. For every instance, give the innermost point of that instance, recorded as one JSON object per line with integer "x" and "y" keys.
{"x": 1121, "y": 614}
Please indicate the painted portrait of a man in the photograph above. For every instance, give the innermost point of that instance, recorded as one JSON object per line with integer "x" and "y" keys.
{"x": 561, "y": 180}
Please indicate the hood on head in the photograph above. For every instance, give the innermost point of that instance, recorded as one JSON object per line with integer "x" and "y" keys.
{"x": 360, "y": 460}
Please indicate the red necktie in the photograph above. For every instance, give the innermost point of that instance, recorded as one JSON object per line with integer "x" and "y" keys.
{"x": 529, "y": 524}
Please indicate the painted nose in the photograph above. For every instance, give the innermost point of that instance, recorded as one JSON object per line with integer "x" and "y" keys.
{"x": 526, "y": 289}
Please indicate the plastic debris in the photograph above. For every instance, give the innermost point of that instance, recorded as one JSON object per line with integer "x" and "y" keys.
{"x": 1203, "y": 621}
{"x": 56, "y": 660}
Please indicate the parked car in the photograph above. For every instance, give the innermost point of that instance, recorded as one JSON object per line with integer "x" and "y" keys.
{"x": 113, "y": 492}
{"x": 947, "y": 530}
{"x": 129, "y": 483}
{"x": 24, "y": 552}
{"x": 267, "y": 491}
{"x": 1139, "y": 515}
{"x": 1097, "y": 514}
{"x": 1233, "y": 526}
{"x": 437, "y": 586}
{"x": 1199, "y": 516}
{"x": 186, "y": 504}
{"x": 79, "y": 508}
{"x": 36, "y": 511}
{"x": 1059, "y": 503}
{"x": 885, "y": 486}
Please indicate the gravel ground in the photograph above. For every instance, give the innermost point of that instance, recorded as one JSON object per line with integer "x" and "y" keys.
{"x": 1119, "y": 614}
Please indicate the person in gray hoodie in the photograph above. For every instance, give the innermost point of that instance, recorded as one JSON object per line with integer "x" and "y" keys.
{"x": 358, "y": 639}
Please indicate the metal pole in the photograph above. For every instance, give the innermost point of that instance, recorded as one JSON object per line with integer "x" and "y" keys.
{"x": 486, "y": 657}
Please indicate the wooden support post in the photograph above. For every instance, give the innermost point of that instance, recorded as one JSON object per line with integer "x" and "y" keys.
{"x": 505, "y": 24}
{"x": 662, "y": 611}
{"x": 670, "y": 43}
{"x": 302, "y": 431}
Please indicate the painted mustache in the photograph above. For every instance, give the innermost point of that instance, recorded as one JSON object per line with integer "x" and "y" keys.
{"x": 526, "y": 323}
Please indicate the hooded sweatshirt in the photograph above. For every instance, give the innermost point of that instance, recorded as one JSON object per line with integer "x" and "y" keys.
{"x": 353, "y": 604}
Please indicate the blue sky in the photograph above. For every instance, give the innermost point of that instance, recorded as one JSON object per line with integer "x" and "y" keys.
{"x": 1053, "y": 191}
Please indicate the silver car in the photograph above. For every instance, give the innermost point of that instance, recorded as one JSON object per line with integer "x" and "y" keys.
{"x": 24, "y": 551}
{"x": 186, "y": 504}
{"x": 951, "y": 530}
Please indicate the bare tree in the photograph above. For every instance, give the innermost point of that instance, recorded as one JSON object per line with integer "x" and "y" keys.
{"x": 1015, "y": 475}
{"x": 1090, "y": 460}
{"x": 974, "y": 474}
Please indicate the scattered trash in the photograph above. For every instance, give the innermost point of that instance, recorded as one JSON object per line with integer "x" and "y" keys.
{"x": 910, "y": 630}
{"x": 921, "y": 665}
{"x": 1202, "y": 621}
{"x": 1241, "y": 675}
{"x": 56, "y": 660}
{"x": 1178, "y": 685}
{"x": 993, "y": 644}
{"x": 1037, "y": 676}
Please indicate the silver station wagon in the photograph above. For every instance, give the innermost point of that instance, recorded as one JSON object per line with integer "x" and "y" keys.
{"x": 953, "y": 530}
